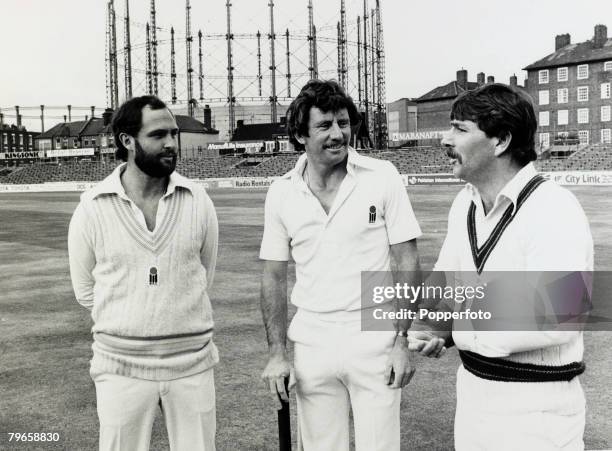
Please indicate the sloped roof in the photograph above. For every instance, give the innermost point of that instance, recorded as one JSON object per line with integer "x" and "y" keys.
{"x": 64, "y": 129}
{"x": 574, "y": 54}
{"x": 93, "y": 127}
{"x": 258, "y": 132}
{"x": 191, "y": 125}
{"x": 448, "y": 91}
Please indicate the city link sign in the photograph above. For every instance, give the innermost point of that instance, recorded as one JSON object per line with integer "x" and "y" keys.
{"x": 413, "y": 136}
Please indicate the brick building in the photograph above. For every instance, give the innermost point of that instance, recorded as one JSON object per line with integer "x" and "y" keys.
{"x": 571, "y": 91}
{"x": 401, "y": 121}
{"x": 433, "y": 108}
{"x": 16, "y": 145}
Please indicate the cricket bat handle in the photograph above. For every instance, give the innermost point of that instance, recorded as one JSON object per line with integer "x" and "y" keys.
{"x": 284, "y": 424}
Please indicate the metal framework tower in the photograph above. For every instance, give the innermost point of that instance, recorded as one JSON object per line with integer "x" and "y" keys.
{"x": 383, "y": 132}
{"x": 42, "y": 118}
{"x": 359, "y": 61}
{"x": 288, "y": 54}
{"x": 365, "y": 65}
{"x": 155, "y": 72}
{"x": 343, "y": 78}
{"x": 149, "y": 64}
{"x": 230, "y": 70}
{"x": 338, "y": 46}
{"x": 259, "y": 77}
{"x": 374, "y": 118}
{"x": 311, "y": 45}
{"x": 272, "y": 38}
{"x": 189, "y": 40}
{"x": 127, "y": 52}
{"x": 111, "y": 34}
{"x": 314, "y": 52}
{"x": 172, "y": 67}
{"x": 200, "y": 65}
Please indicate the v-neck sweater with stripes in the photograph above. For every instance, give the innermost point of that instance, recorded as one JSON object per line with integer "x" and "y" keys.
{"x": 547, "y": 230}
{"x": 148, "y": 291}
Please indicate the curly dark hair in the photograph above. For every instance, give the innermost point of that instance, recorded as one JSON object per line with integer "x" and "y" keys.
{"x": 128, "y": 119}
{"x": 500, "y": 110}
{"x": 327, "y": 95}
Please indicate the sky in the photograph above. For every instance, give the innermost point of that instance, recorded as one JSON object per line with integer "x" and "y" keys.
{"x": 53, "y": 51}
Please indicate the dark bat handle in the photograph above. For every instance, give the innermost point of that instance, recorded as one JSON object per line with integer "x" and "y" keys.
{"x": 284, "y": 424}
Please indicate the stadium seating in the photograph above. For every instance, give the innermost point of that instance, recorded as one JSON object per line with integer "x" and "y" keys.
{"x": 407, "y": 161}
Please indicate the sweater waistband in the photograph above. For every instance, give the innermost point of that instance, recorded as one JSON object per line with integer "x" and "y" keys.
{"x": 153, "y": 346}
{"x": 502, "y": 370}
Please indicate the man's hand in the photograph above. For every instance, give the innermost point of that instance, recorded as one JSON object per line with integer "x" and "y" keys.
{"x": 398, "y": 370}
{"x": 426, "y": 343}
{"x": 274, "y": 374}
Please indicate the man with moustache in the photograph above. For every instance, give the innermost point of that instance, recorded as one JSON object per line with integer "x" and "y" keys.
{"x": 515, "y": 390}
{"x": 142, "y": 248}
{"x": 337, "y": 213}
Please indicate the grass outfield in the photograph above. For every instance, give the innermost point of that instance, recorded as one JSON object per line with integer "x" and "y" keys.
{"x": 45, "y": 339}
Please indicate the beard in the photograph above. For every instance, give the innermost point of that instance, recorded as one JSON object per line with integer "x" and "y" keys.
{"x": 153, "y": 165}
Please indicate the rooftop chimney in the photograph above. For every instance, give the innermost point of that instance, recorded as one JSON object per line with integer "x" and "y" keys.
{"x": 513, "y": 81}
{"x": 18, "y": 116}
{"x": 490, "y": 79}
{"x": 107, "y": 116}
{"x": 480, "y": 78}
{"x": 561, "y": 40}
{"x": 462, "y": 76}
{"x": 93, "y": 111}
{"x": 600, "y": 37}
{"x": 207, "y": 116}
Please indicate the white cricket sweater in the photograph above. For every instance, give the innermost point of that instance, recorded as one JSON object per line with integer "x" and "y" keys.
{"x": 147, "y": 291}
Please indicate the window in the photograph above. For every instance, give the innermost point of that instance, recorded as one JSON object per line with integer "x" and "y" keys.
{"x": 583, "y": 115}
{"x": 562, "y": 117}
{"x": 30, "y": 140}
{"x": 93, "y": 141}
{"x": 606, "y": 136}
{"x": 608, "y": 65}
{"x": 5, "y": 139}
{"x": 605, "y": 113}
{"x": 86, "y": 142}
{"x": 562, "y": 74}
{"x": 583, "y": 71}
{"x": 21, "y": 140}
{"x": 605, "y": 90}
{"x": 544, "y": 119}
{"x": 543, "y": 76}
{"x": 583, "y": 94}
{"x": 583, "y": 136}
{"x": 562, "y": 95}
{"x": 543, "y": 98}
{"x": 544, "y": 140}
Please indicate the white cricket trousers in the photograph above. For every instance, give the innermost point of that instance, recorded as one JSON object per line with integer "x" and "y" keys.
{"x": 127, "y": 406}
{"x": 338, "y": 367}
{"x": 509, "y": 416}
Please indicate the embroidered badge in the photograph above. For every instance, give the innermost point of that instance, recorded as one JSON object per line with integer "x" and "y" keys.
{"x": 372, "y": 214}
{"x": 153, "y": 276}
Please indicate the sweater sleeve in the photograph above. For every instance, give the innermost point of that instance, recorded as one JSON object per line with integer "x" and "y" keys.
{"x": 208, "y": 251}
{"x": 81, "y": 257}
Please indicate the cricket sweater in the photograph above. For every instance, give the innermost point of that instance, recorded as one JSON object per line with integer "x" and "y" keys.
{"x": 147, "y": 290}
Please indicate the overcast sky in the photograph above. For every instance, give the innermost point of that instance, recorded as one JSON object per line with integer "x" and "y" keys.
{"x": 53, "y": 51}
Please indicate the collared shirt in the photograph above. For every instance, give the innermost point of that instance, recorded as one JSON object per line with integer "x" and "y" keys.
{"x": 550, "y": 232}
{"x": 371, "y": 211}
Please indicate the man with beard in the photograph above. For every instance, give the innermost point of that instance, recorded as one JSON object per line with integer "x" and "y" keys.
{"x": 337, "y": 213}
{"x": 142, "y": 247}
